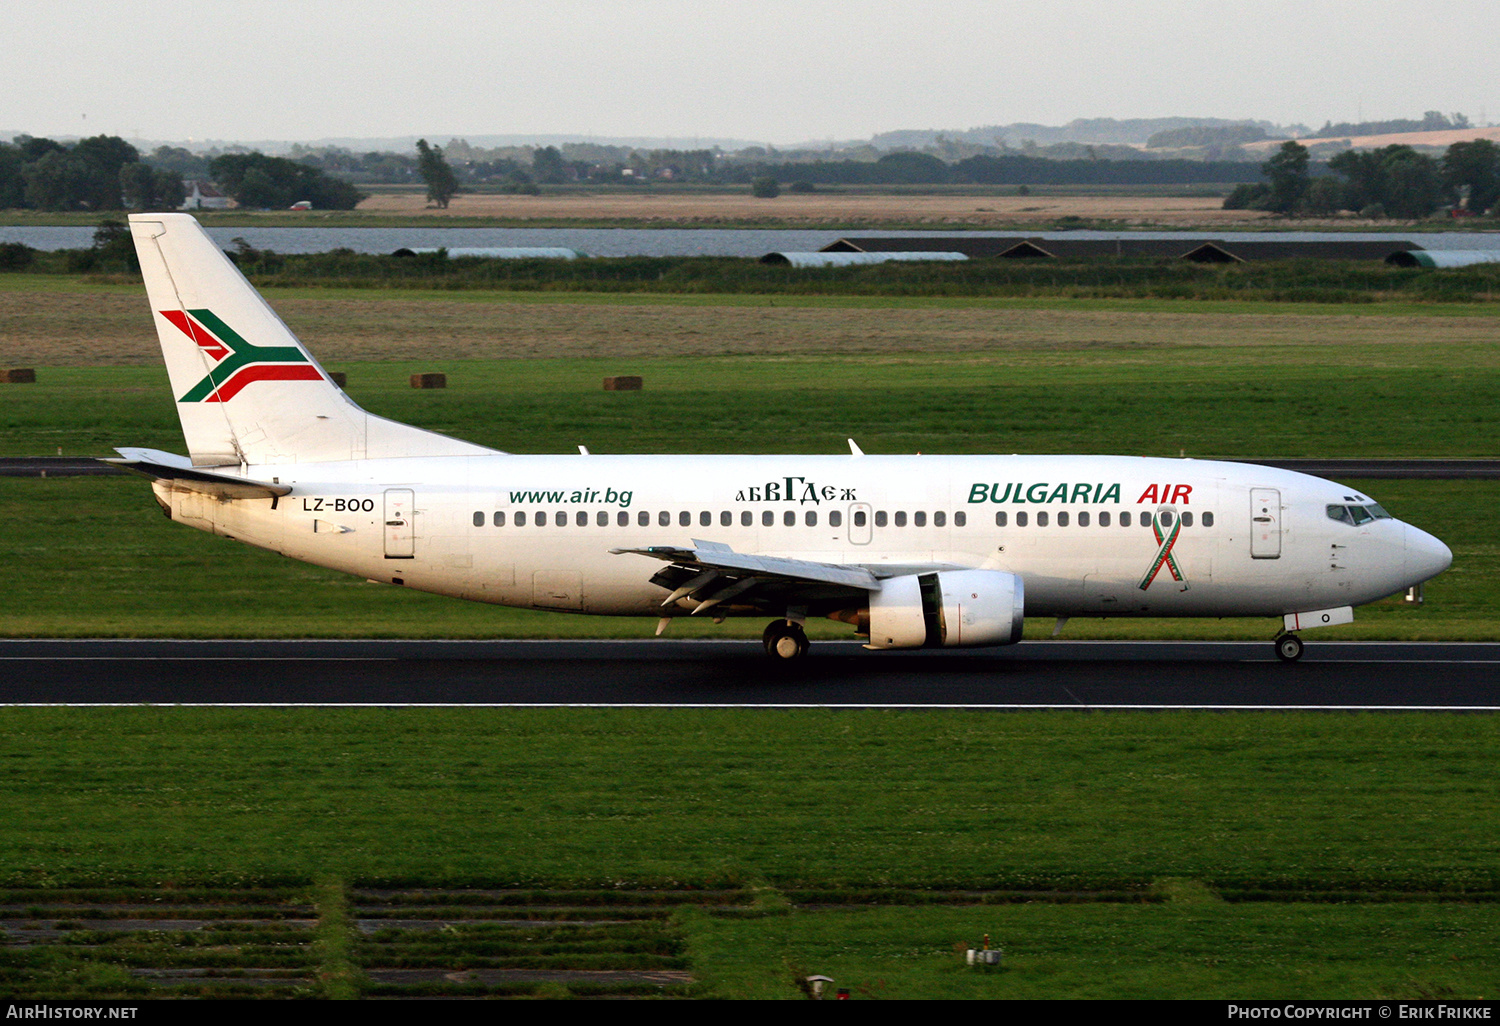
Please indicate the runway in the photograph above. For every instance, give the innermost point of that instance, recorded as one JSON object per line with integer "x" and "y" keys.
{"x": 1079, "y": 675}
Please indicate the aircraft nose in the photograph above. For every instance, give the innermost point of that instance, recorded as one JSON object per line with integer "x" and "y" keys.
{"x": 1426, "y": 557}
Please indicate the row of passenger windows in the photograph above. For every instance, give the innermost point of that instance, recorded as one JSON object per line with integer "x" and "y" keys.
{"x": 705, "y": 518}
{"x": 1002, "y": 519}
{"x": 809, "y": 518}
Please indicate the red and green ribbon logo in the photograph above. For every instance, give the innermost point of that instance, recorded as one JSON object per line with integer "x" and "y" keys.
{"x": 238, "y": 362}
{"x": 1164, "y": 542}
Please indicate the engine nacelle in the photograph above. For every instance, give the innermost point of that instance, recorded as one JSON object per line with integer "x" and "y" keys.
{"x": 948, "y": 609}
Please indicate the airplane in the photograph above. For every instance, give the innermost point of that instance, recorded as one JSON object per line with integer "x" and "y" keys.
{"x": 910, "y": 551}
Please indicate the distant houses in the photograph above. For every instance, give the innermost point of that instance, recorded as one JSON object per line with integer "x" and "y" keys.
{"x": 203, "y": 196}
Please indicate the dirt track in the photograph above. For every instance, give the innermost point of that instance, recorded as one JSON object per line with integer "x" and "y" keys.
{"x": 689, "y": 208}
{"x": 108, "y": 329}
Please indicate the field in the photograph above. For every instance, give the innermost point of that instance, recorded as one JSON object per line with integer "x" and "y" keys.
{"x": 727, "y": 854}
{"x": 936, "y": 208}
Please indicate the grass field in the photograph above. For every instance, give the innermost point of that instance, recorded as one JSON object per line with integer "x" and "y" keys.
{"x": 1151, "y": 855}
{"x": 1167, "y": 855}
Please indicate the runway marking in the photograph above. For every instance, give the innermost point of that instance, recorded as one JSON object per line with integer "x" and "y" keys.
{"x": 745, "y": 705}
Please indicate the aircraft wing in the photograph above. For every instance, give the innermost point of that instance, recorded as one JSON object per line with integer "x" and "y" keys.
{"x": 718, "y": 557}
{"x": 180, "y": 471}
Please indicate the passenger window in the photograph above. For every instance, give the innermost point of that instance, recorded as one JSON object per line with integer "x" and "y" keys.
{"x": 602, "y": 519}
{"x": 478, "y": 518}
{"x": 1187, "y": 520}
{"x": 746, "y": 519}
{"x": 880, "y": 518}
{"x": 1104, "y": 518}
{"x": 859, "y": 518}
{"x": 1021, "y": 518}
{"x": 1062, "y": 519}
{"x": 726, "y": 518}
{"x": 622, "y": 519}
{"x": 939, "y": 519}
{"x": 499, "y": 519}
{"x": 789, "y": 518}
{"x": 960, "y": 519}
{"x": 582, "y": 519}
{"x": 664, "y": 519}
{"x": 562, "y": 518}
{"x": 835, "y": 519}
{"x": 705, "y": 519}
{"x": 541, "y": 518}
{"x": 767, "y": 518}
{"x": 1083, "y": 518}
{"x": 1208, "y": 519}
{"x": 643, "y": 518}
{"x": 919, "y": 519}
{"x": 1341, "y": 514}
{"x": 1041, "y": 519}
{"x": 900, "y": 518}
{"x": 1125, "y": 518}
{"x": 521, "y": 518}
{"x": 1000, "y": 518}
{"x": 1166, "y": 518}
{"x": 684, "y": 519}
{"x": 811, "y": 519}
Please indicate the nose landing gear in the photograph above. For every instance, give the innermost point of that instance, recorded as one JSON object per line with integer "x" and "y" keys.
{"x": 785, "y": 639}
{"x": 1288, "y": 648}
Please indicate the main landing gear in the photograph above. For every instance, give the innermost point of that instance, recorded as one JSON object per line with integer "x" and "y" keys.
{"x": 785, "y": 639}
{"x": 1288, "y": 647}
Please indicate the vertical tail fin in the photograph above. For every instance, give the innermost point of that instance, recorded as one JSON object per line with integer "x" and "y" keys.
{"x": 247, "y": 391}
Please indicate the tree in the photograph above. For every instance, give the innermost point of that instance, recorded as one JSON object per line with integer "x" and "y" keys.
{"x": 1286, "y": 174}
{"x": 256, "y": 180}
{"x": 146, "y": 188}
{"x": 442, "y": 184}
{"x": 548, "y": 166}
{"x": 1397, "y": 180}
{"x": 1475, "y": 165}
{"x": 765, "y": 187}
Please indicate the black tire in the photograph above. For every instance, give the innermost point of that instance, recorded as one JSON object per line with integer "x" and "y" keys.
{"x": 1289, "y": 648}
{"x": 785, "y": 641}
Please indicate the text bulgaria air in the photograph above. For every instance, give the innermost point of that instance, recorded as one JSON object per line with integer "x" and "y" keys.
{"x": 1019, "y": 491}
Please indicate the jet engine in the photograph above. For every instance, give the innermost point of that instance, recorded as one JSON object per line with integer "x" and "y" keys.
{"x": 947, "y": 609}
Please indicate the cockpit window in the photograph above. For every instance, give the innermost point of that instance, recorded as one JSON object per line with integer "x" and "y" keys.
{"x": 1356, "y": 515}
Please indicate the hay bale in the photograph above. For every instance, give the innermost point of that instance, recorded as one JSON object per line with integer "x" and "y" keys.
{"x": 19, "y": 375}
{"x": 623, "y": 383}
{"x": 429, "y": 381}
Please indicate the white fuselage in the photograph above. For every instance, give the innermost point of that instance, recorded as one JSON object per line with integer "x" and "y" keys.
{"x": 1085, "y": 533}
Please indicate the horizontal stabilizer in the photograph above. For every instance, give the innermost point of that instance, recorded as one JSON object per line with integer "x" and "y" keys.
{"x": 179, "y": 470}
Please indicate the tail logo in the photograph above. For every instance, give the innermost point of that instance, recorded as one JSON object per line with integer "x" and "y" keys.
{"x": 238, "y": 362}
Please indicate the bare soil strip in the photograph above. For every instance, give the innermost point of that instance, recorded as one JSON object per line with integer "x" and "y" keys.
{"x": 73, "y": 330}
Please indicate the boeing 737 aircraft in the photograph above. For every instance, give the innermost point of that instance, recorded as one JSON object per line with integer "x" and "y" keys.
{"x": 910, "y": 551}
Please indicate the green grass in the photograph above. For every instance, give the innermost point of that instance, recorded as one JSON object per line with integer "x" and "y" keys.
{"x": 1201, "y": 401}
{"x": 1277, "y": 805}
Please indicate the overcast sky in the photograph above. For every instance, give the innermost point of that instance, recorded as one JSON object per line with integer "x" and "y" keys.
{"x": 780, "y": 71}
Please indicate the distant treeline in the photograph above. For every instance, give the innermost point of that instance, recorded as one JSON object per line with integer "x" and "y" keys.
{"x": 1005, "y": 169}
{"x": 1393, "y": 181}
{"x": 107, "y": 173}
{"x": 1432, "y": 121}
{"x": 1323, "y": 281}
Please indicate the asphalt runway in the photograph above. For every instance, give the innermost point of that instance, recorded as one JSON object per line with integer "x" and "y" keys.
{"x": 660, "y": 672}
